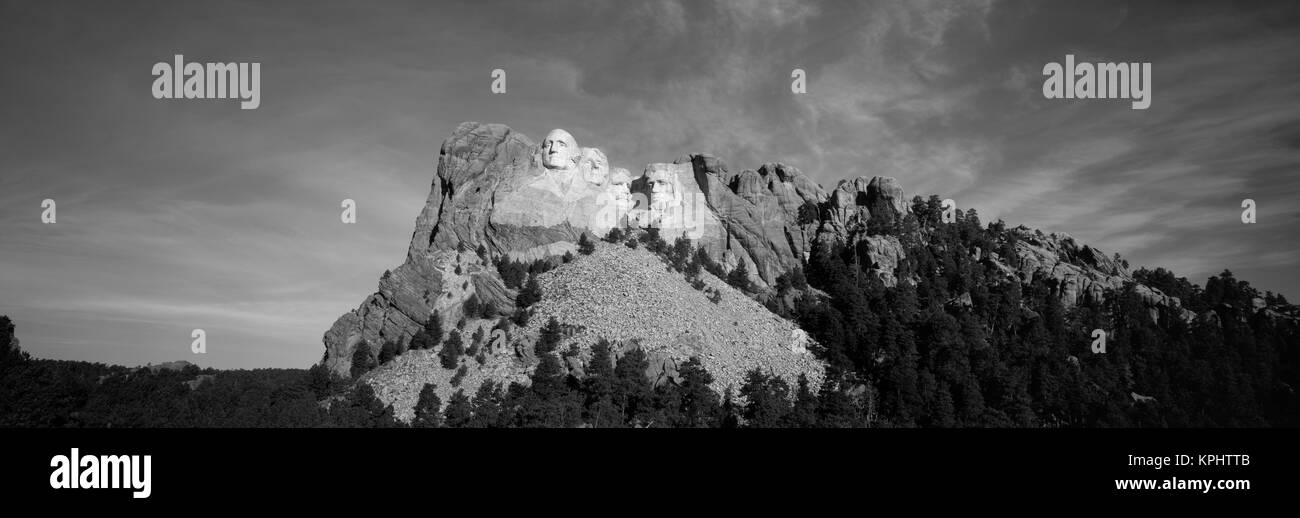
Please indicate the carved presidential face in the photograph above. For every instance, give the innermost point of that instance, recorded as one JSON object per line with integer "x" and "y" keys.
{"x": 594, "y": 166}
{"x": 559, "y": 150}
{"x": 661, "y": 190}
{"x": 662, "y": 184}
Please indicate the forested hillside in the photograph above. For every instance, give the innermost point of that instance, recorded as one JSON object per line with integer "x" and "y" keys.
{"x": 966, "y": 346}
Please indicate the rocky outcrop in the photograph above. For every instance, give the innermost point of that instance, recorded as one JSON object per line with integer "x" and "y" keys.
{"x": 855, "y": 202}
{"x": 433, "y": 281}
{"x": 848, "y": 210}
{"x": 765, "y": 218}
{"x": 1081, "y": 272}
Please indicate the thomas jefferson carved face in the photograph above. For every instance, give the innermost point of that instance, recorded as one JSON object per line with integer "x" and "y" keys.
{"x": 559, "y": 150}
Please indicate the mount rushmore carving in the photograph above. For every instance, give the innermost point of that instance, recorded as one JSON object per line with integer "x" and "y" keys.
{"x": 498, "y": 192}
{"x": 517, "y": 199}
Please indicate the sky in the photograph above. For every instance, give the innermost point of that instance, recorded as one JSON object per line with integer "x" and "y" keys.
{"x": 174, "y": 215}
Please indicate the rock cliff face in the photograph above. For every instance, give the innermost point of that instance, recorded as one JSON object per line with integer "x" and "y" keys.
{"x": 499, "y": 192}
{"x": 492, "y": 190}
{"x": 1083, "y": 272}
{"x": 767, "y": 217}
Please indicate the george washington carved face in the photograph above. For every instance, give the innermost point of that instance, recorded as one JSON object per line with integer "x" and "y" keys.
{"x": 559, "y": 150}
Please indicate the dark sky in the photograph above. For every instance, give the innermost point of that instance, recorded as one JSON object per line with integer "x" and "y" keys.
{"x": 175, "y": 215}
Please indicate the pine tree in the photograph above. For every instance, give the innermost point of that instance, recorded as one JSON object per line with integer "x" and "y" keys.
{"x": 321, "y": 381}
{"x": 585, "y": 246}
{"x": 487, "y": 405}
{"x": 434, "y": 328}
{"x": 942, "y": 413}
{"x": 362, "y": 409}
{"x": 615, "y": 235}
{"x": 702, "y": 258}
{"x": 512, "y": 273}
{"x": 601, "y": 366}
{"x": 520, "y": 317}
{"x": 632, "y": 390}
{"x": 473, "y": 308}
{"x": 700, "y": 407}
{"x": 783, "y": 284}
{"x": 388, "y": 352}
{"x": 729, "y": 418}
{"x": 681, "y": 254}
{"x": 548, "y": 377}
{"x": 362, "y": 361}
{"x": 428, "y": 410}
{"x": 693, "y": 268}
{"x": 429, "y": 335}
{"x": 797, "y": 279}
{"x": 459, "y": 411}
{"x": 549, "y": 402}
{"x": 531, "y": 293}
{"x": 804, "y": 414}
{"x": 598, "y": 386}
{"x": 667, "y": 406}
{"x": 452, "y": 350}
{"x": 739, "y": 276}
{"x": 767, "y": 400}
{"x": 835, "y": 409}
{"x": 550, "y": 337}
{"x": 419, "y": 340}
